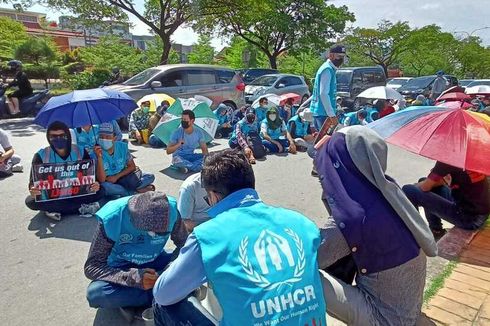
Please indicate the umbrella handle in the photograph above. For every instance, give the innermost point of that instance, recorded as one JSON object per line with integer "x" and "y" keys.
{"x": 92, "y": 125}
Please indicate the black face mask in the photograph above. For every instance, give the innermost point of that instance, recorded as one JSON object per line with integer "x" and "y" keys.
{"x": 185, "y": 124}
{"x": 250, "y": 118}
{"x": 338, "y": 62}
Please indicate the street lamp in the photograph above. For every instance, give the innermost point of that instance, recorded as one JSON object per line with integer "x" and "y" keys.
{"x": 473, "y": 32}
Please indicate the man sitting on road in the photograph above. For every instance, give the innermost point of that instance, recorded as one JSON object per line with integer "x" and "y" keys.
{"x": 9, "y": 161}
{"x": 127, "y": 252}
{"x": 262, "y": 109}
{"x": 61, "y": 150}
{"x": 275, "y": 135}
{"x": 154, "y": 141}
{"x": 356, "y": 118}
{"x": 244, "y": 134}
{"x": 116, "y": 170}
{"x": 192, "y": 203}
{"x": 224, "y": 114}
{"x": 184, "y": 141}
{"x": 254, "y": 255}
{"x": 460, "y": 197}
{"x": 139, "y": 121}
{"x": 300, "y": 130}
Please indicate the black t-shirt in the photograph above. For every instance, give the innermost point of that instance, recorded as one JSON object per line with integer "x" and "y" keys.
{"x": 22, "y": 82}
{"x": 469, "y": 189}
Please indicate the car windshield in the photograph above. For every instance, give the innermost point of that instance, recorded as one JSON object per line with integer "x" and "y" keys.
{"x": 418, "y": 83}
{"x": 344, "y": 76}
{"x": 398, "y": 81}
{"x": 142, "y": 77}
{"x": 479, "y": 82}
{"x": 465, "y": 82}
{"x": 264, "y": 81}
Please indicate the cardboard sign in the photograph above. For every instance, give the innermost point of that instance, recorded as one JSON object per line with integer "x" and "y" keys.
{"x": 63, "y": 180}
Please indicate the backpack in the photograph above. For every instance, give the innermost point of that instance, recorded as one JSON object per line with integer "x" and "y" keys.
{"x": 255, "y": 143}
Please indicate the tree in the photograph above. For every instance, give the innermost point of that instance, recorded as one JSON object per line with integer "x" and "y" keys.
{"x": 382, "y": 46}
{"x": 162, "y": 17}
{"x": 202, "y": 52}
{"x": 305, "y": 64}
{"x": 12, "y": 34}
{"x": 275, "y": 26}
{"x": 473, "y": 60}
{"x": 241, "y": 54}
{"x": 37, "y": 50}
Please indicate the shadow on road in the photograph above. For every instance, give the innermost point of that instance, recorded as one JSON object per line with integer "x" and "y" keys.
{"x": 21, "y": 127}
{"x": 108, "y": 317}
{"x": 71, "y": 227}
{"x": 174, "y": 174}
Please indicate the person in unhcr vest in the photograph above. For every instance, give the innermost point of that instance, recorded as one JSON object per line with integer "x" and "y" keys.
{"x": 263, "y": 269}
{"x": 375, "y": 224}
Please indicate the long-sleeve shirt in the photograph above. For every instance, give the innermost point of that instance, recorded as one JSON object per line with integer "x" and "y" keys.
{"x": 241, "y": 138}
{"x": 97, "y": 268}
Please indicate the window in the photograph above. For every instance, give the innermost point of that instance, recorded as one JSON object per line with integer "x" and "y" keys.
{"x": 25, "y": 18}
{"x": 225, "y": 76}
{"x": 172, "y": 79}
{"x": 294, "y": 81}
{"x": 378, "y": 77}
{"x": 282, "y": 81}
{"x": 368, "y": 77}
{"x": 200, "y": 77}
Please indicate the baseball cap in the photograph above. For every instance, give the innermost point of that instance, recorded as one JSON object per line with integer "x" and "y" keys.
{"x": 106, "y": 129}
{"x": 338, "y": 48}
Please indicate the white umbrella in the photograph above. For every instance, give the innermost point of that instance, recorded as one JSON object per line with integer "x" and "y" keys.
{"x": 381, "y": 92}
{"x": 478, "y": 89}
{"x": 274, "y": 100}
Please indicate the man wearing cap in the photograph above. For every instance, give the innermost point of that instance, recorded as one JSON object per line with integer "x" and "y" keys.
{"x": 245, "y": 130}
{"x": 116, "y": 170}
{"x": 439, "y": 85}
{"x": 299, "y": 128}
{"x": 323, "y": 103}
{"x": 127, "y": 252}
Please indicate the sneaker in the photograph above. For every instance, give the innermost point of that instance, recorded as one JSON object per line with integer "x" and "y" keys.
{"x": 314, "y": 172}
{"x": 89, "y": 209}
{"x": 53, "y": 215}
{"x": 147, "y": 315}
{"x": 17, "y": 168}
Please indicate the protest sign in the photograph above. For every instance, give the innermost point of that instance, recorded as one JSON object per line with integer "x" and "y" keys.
{"x": 63, "y": 180}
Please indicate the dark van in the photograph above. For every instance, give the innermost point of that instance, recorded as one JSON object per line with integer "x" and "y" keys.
{"x": 354, "y": 80}
{"x": 423, "y": 86}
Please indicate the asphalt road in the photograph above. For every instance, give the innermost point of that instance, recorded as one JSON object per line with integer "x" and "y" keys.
{"x": 42, "y": 280}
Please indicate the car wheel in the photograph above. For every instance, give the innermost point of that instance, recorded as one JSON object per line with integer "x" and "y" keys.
{"x": 303, "y": 99}
{"x": 357, "y": 104}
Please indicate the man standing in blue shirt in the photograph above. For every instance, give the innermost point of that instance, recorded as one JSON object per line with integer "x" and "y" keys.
{"x": 184, "y": 141}
{"x": 263, "y": 269}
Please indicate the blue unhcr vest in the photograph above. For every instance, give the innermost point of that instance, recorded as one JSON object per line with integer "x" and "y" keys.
{"x": 301, "y": 127}
{"x": 273, "y": 133}
{"x": 48, "y": 155}
{"x": 316, "y": 106}
{"x": 353, "y": 118}
{"x": 263, "y": 269}
{"x": 260, "y": 113}
{"x": 86, "y": 139}
{"x": 245, "y": 128}
{"x": 115, "y": 163}
{"x": 131, "y": 245}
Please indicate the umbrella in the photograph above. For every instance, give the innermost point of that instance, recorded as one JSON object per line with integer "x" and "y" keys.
{"x": 455, "y": 105}
{"x": 155, "y": 100}
{"x": 205, "y": 119}
{"x": 457, "y": 137}
{"x": 454, "y": 89}
{"x": 86, "y": 107}
{"x": 453, "y": 97}
{"x": 381, "y": 92}
{"x": 478, "y": 90}
{"x": 296, "y": 98}
{"x": 274, "y": 100}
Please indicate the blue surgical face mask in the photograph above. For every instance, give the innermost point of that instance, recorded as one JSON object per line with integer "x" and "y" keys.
{"x": 106, "y": 144}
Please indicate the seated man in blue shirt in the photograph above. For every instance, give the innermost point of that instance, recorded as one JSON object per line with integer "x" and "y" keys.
{"x": 127, "y": 252}
{"x": 116, "y": 170}
{"x": 184, "y": 141}
{"x": 253, "y": 254}
{"x": 192, "y": 203}
{"x": 224, "y": 114}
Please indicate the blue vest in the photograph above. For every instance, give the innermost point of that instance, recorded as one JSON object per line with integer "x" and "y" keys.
{"x": 370, "y": 114}
{"x": 260, "y": 113}
{"x": 353, "y": 120}
{"x": 316, "y": 105}
{"x": 263, "y": 268}
{"x": 301, "y": 126}
{"x": 86, "y": 139}
{"x": 115, "y": 163}
{"x": 275, "y": 134}
{"x": 131, "y": 245}
{"x": 245, "y": 128}
{"x": 48, "y": 155}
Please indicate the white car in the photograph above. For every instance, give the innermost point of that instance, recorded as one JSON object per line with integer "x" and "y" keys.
{"x": 276, "y": 84}
{"x": 397, "y": 82}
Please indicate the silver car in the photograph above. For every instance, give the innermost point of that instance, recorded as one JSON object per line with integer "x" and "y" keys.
{"x": 221, "y": 85}
{"x": 276, "y": 84}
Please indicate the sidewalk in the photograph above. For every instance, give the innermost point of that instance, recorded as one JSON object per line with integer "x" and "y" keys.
{"x": 465, "y": 296}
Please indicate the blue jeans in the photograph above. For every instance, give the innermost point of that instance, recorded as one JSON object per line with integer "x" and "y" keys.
{"x": 272, "y": 148}
{"x": 439, "y": 204}
{"x": 193, "y": 162}
{"x": 319, "y": 121}
{"x": 180, "y": 313}
{"x": 117, "y": 190}
{"x": 155, "y": 142}
{"x": 102, "y": 294}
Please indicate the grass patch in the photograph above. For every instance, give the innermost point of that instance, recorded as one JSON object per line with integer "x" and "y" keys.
{"x": 59, "y": 91}
{"x": 438, "y": 282}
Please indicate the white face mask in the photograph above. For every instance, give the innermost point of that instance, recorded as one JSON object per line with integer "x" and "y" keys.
{"x": 273, "y": 117}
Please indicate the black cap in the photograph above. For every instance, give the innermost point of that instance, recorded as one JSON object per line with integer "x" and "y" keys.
{"x": 250, "y": 111}
{"x": 338, "y": 48}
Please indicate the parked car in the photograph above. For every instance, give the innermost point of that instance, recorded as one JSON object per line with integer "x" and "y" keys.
{"x": 423, "y": 85}
{"x": 221, "y": 85}
{"x": 277, "y": 84}
{"x": 478, "y": 82}
{"x": 353, "y": 81}
{"x": 464, "y": 82}
{"x": 249, "y": 75}
{"x": 396, "y": 83}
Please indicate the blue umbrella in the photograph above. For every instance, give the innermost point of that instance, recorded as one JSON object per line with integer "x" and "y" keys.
{"x": 86, "y": 107}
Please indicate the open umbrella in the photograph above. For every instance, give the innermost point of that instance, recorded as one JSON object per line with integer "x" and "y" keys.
{"x": 478, "y": 90}
{"x": 453, "y": 97}
{"x": 273, "y": 99}
{"x": 171, "y": 120}
{"x": 155, "y": 100}
{"x": 381, "y": 92}
{"x": 86, "y": 107}
{"x": 457, "y": 137}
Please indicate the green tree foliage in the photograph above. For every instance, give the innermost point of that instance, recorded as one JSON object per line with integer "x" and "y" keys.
{"x": 37, "y": 50}
{"x": 12, "y": 34}
{"x": 275, "y": 26}
{"x": 305, "y": 64}
{"x": 473, "y": 58}
{"x": 202, "y": 52}
{"x": 233, "y": 55}
{"x": 154, "y": 51}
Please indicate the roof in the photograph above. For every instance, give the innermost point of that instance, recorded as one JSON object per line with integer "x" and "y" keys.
{"x": 22, "y": 12}
{"x": 55, "y": 32}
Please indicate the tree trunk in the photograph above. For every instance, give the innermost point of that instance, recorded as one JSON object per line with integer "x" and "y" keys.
{"x": 167, "y": 46}
{"x": 272, "y": 60}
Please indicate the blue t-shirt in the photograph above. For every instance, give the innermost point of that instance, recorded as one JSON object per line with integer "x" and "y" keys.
{"x": 191, "y": 141}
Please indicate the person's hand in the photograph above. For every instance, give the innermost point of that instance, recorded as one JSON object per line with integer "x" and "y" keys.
{"x": 247, "y": 151}
{"x": 95, "y": 186}
{"x": 35, "y": 191}
{"x": 309, "y": 138}
{"x": 98, "y": 151}
{"x": 112, "y": 179}
{"x": 278, "y": 144}
{"x": 138, "y": 136}
{"x": 181, "y": 142}
{"x": 150, "y": 277}
{"x": 2, "y": 158}
{"x": 292, "y": 148}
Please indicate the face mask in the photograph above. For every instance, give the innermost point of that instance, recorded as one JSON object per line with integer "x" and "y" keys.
{"x": 273, "y": 117}
{"x": 250, "y": 118}
{"x": 185, "y": 124}
{"x": 106, "y": 144}
{"x": 59, "y": 143}
{"x": 146, "y": 109}
{"x": 338, "y": 62}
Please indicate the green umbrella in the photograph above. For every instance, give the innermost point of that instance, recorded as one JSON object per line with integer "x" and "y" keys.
{"x": 171, "y": 120}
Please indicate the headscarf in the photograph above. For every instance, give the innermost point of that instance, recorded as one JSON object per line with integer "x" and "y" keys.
{"x": 273, "y": 124}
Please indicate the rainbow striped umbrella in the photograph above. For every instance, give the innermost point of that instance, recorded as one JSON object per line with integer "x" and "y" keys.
{"x": 453, "y": 136}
